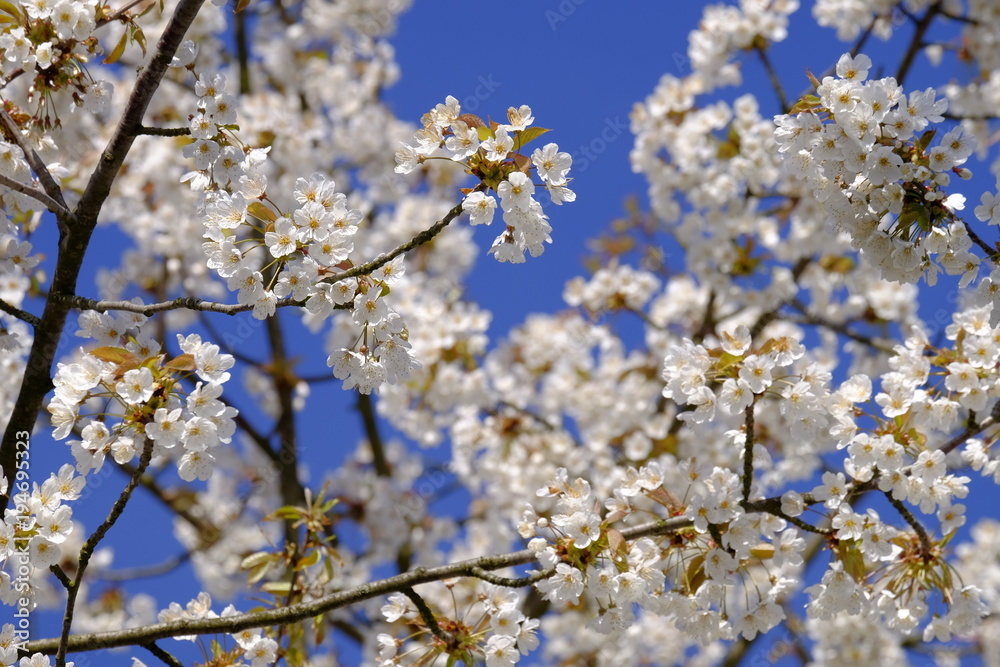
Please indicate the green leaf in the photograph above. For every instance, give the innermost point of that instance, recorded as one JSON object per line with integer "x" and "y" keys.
{"x": 309, "y": 560}
{"x": 257, "y": 572}
{"x": 287, "y": 512}
{"x": 277, "y": 587}
{"x": 115, "y": 355}
{"x": 255, "y": 559}
{"x": 527, "y": 135}
{"x": 184, "y": 362}
{"x": 485, "y": 133}
{"x": 925, "y": 140}
{"x": 695, "y": 575}
{"x": 119, "y": 49}
{"x": 139, "y": 38}
{"x": 10, "y": 8}
{"x": 807, "y": 103}
{"x": 260, "y": 211}
{"x": 331, "y": 503}
{"x": 854, "y": 561}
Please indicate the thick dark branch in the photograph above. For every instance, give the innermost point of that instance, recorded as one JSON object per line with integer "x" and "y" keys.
{"x": 287, "y": 459}
{"x": 99, "y": 186}
{"x": 374, "y": 437}
{"x": 75, "y": 230}
{"x": 917, "y": 41}
{"x": 163, "y": 131}
{"x": 748, "y": 453}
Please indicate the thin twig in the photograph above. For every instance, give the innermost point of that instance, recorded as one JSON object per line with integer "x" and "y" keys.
{"x": 904, "y": 511}
{"x": 509, "y": 582}
{"x": 52, "y": 190}
{"x": 88, "y": 549}
{"x": 971, "y": 430}
{"x": 22, "y": 315}
{"x": 146, "y": 571}
{"x": 380, "y": 261}
{"x": 773, "y": 76}
{"x": 428, "y": 618}
{"x": 917, "y": 41}
{"x": 121, "y": 12}
{"x": 809, "y": 318}
{"x": 39, "y": 196}
{"x": 991, "y": 253}
{"x": 198, "y": 304}
{"x": 162, "y": 655}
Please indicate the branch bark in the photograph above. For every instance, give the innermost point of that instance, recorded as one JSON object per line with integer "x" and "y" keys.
{"x": 304, "y": 610}
{"x": 75, "y": 230}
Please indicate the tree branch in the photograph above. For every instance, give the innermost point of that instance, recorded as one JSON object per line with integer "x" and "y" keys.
{"x": 773, "y": 76}
{"x": 163, "y": 131}
{"x": 37, "y": 195}
{"x": 427, "y": 616}
{"x": 917, "y": 41}
{"x": 418, "y": 240}
{"x": 162, "y": 655}
{"x": 374, "y": 437}
{"x": 304, "y": 610}
{"x": 748, "y": 452}
{"x": 925, "y": 542}
{"x": 75, "y": 230}
{"x": 22, "y": 315}
{"x": 52, "y": 189}
{"x": 69, "y": 300}
{"x": 88, "y": 548}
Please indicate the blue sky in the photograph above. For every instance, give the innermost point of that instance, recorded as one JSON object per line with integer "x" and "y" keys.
{"x": 581, "y": 66}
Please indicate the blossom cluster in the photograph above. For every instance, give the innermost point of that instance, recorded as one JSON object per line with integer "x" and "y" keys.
{"x": 128, "y": 376}
{"x": 306, "y": 248}
{"x": 38, "y": 525}
{"x": 494, "y": 630}
{"x": 685, "y": 579}
{"x": 491, "y": 152}
{"x": 253, "y": 649}
{"x": 863, "y": 149}
{"x": 53, "y": 42}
